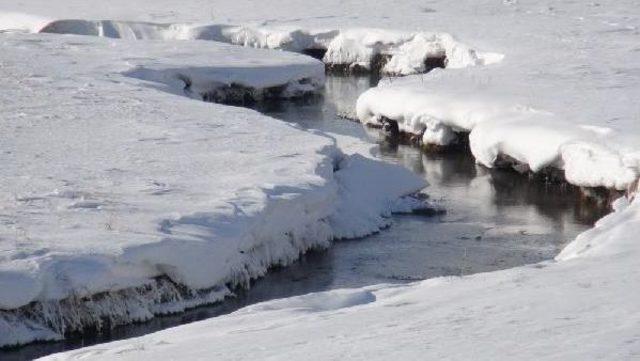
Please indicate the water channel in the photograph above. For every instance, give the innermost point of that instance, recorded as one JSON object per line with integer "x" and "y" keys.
{"x": 495, "y": 219}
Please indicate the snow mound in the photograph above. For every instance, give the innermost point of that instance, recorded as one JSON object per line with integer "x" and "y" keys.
{"x": 611, "y": 235}
{"x": 21, "y": 22}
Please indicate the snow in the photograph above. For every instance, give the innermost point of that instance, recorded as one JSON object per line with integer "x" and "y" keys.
{"x": 561, "y": 97}
{"x": 20, "y": 22}
{"x": 353, "y": 47}
{"x": 357, "y": 47}
{"x": 592, "y": 154}
{"x": 457, "y": 101}
{"x": 548, "y": 83}
{"x": 580, "y": 307}
{"x": 114, "y": 179}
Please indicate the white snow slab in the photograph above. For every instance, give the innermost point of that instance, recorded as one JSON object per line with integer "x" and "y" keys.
{"x": 109, "y": 180}
{"x": 581, "y": 307}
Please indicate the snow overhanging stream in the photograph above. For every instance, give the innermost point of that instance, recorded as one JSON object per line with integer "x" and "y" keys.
{"x": 357, "y": 211}
{"x": 344, "y": 51}
{"x": 432, "y": 116}
{"x": 348, "y": 51}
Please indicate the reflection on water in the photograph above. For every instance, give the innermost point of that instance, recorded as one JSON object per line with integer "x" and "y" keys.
{"x": 495, "y": 220}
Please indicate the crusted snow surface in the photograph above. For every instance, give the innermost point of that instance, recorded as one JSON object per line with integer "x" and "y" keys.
{"x": 583, "y": 306}
{"x": 119, "y": 194}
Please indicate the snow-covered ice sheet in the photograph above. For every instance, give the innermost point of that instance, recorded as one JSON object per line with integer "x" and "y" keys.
{"x": 584, "y": 306}
{"x": 112, "y": 177}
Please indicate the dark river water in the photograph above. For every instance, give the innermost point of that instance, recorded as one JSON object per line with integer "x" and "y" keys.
{"x": 495, "y": 219}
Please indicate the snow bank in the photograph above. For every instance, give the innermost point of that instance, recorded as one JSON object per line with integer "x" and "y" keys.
{"x": 353, "y": 49}
{"x": 580, "y": 307}
{"x": 119, "y": 201}
{"x": 500, "y": 122}
{"x": 362, "y": 198}
{"x": 235, "y": 82}
{"x": 612, "y": 235}
{"x": 562, "y": 96}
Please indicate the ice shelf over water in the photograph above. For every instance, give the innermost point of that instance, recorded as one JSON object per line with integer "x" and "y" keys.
{"x": 581, "y": 307}
{"x": 112, "y": 177}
